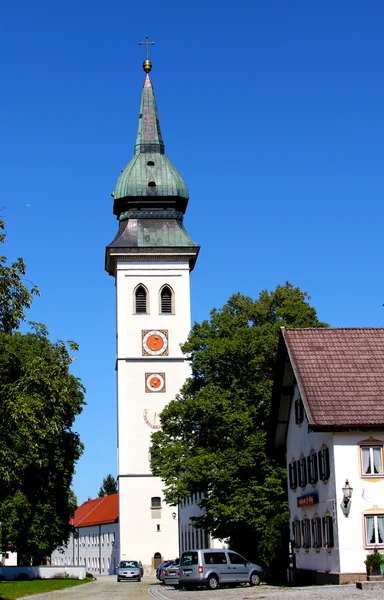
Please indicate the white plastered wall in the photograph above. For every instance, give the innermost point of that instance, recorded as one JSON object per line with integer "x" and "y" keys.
{"x": 141, "y": 535}
{"x": 368, "y": 495}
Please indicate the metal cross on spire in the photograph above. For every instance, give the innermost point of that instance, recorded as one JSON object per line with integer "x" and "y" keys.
{"x": 146, "y": 44}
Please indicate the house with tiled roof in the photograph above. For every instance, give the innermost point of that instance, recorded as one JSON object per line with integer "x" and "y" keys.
{"x": 95, "y": 541}
{"x": 327, "y": 426}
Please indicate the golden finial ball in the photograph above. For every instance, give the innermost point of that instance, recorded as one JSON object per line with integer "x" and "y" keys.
{"x": 147, "y": 65}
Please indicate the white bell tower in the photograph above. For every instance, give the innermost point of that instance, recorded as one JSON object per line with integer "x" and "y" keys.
{"x": 151, "y": 258}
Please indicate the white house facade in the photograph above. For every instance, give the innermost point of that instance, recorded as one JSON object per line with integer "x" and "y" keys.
{"x": 329, "y": 426}
{"x": 151, "y": 259}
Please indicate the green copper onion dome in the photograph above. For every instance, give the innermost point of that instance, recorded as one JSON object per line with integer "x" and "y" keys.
{"x": 150, "y": 180}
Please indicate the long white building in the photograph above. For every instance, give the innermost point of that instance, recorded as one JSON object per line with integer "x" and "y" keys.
{"x": 151, "y": 259}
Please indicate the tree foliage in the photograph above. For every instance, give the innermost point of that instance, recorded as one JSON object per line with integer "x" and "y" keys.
{"x": 109, "y": 486}
{"x": 15, "y": 296}
{"x": 40, "y": 399}
{"x": 214, "y": 433}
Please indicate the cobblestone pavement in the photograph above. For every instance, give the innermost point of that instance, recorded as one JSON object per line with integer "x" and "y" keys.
{"x": 107, "y": 588}
{"x": 325, "y": 592}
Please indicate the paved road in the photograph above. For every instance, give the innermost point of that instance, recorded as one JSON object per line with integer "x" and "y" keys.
{"x": 107, "y": 588}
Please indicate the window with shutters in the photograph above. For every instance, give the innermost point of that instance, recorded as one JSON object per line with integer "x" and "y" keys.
{"x": 313, "y": 474}
{"x": 166, "y": 301}
{"x": 324, "y": 468}
{"x": 141, "y": 300}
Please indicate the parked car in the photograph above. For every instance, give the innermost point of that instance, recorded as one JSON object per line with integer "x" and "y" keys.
{"x": 171, "y": 573}
{"x": 129, "y": 570}
{"x": 214, "y": 567}
{"x": 166, "y": 563}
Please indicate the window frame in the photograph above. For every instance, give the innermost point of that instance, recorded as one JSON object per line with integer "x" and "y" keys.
{"x": 163, "y": 287}
{"x": 371, "y": 445}
{"x": 135, "y": 291}
{"x": 374, "y": 515}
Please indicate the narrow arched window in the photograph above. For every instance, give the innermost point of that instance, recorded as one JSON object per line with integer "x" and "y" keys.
{"x": 141, "y": 300}
{"x": 166, "y": 300}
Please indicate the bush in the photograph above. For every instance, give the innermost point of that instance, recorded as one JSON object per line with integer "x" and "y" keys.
{"x": 373, "y": 562}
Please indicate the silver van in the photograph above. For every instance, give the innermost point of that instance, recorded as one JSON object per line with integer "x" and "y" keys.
{"x": 213, "y": 567}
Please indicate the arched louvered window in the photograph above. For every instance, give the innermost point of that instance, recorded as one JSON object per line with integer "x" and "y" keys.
{"x": 141, "y": 300}
{"x": 166, "y": 300}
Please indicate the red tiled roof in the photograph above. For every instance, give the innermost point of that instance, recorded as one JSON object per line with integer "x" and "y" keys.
{"x": 340, "y": 373}
{"x": 97, "y": 512}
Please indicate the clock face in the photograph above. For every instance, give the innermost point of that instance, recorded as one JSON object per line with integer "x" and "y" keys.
{"x": 155, "y": 382}
{"x": 152, "y": 419}
{"x": 155, "y": 342}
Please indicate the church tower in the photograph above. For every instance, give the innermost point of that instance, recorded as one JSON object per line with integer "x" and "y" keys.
{"x": 151, "y": 258}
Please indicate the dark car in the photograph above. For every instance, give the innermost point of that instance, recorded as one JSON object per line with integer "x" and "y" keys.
{"x": 159, "y": 569}
{"x": 129, "y": 570}
{"x": 171, "y": 574}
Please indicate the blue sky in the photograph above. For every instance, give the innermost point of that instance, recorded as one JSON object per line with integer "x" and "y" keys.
{"x": 273, "y": 113}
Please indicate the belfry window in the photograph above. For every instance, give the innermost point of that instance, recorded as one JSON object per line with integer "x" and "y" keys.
{"x": 141, "y": 300}
{"x": 166, "y": 300}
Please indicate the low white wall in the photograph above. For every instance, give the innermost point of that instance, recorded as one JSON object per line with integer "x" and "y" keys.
{"x": 43, "y": 572}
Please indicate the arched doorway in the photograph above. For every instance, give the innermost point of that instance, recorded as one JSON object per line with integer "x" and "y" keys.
{"x": 157, "y": 560}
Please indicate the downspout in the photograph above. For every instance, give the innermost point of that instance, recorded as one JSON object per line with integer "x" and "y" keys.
{"x": 78, "y": 547}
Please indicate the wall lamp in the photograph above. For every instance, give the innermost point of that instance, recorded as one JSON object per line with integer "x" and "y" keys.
{"x": 174, "y": 515}
{"x": 347, "y": 493}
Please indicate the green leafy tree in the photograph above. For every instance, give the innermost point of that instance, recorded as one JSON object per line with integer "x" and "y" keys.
{"x": 109, "y": 486}
{"x": 40, "y": 399}
{"x": 213, "y": 437}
